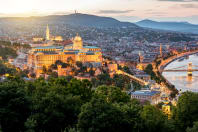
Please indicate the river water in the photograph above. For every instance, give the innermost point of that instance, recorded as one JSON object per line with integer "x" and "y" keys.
{"x": 181, "y": 80}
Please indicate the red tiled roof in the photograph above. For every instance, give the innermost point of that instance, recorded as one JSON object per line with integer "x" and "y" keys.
{"x": 66, "y": 42}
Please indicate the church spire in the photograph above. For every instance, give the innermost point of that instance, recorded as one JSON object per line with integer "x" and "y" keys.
{"x": 47, "y": 33}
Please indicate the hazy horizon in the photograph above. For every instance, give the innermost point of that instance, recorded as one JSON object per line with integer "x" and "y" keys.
{"x": 124, "y": 10}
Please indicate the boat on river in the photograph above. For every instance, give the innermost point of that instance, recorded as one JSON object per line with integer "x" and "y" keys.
{"x": 181, "y": 59}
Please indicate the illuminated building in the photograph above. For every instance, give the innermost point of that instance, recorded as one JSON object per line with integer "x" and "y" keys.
{"x": 37, "y": 39}
{"x": 147, "y": 95}
{"x": 48, "y": 55}
{"x": 56, "y": 38}
{"x": 140, "y": 65}
{"x": 166, "y": 109}
{"x": 113, "y": 68}
{"x": 48, "y": 37}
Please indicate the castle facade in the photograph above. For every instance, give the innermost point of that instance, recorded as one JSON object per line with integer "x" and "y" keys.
{"x": 48, "y": 55}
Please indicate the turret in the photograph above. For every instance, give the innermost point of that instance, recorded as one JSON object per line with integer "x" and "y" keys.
{"x": 47, "y": 33}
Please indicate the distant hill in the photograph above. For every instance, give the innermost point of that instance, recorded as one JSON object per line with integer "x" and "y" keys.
{"x": 85, "y": 20}
{"x": 172, "y": 26}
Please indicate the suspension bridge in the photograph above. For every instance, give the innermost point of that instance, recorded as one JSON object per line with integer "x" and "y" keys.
{"x": 190, "y": 68}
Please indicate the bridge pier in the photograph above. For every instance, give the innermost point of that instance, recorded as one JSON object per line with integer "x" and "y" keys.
{"x": 189, "y": 73}
{"x": 189, "y": 69}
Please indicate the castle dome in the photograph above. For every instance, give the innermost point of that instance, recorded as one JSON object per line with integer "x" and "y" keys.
{"x": 77, "y": 42}
{"x": 77, "y": 38}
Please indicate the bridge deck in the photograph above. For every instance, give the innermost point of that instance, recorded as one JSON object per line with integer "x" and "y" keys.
{"x": 183, "y": 70}
{"x": 140, "y": 81}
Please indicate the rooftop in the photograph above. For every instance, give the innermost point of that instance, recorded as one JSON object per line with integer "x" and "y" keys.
{"x": 91, "y": 47}
{"x": 49, "y": 47}
{"x": 145, "y": 92}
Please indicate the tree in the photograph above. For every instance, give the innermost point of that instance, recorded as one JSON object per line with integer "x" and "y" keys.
{"x": 79, "y": 64}
{"x": 112, "y": 94}
{"x": 44, "y": 69}
{"x": 14, "y": 106}
{"x": 149, "y": 70}
{"x": 186, "y": 111}
{"x": 70, "y": 60}
{"x": 154, "y": 119}
{"x": 131, "y": 115}
{"x": 101, "y": 115}
{"x": 80, "y": 88}
{"x": 54, "y": 74}
{"x": 194, "y": 128}
{"x": 54, "y": 106}
{"x": 55, "y": 112}
{"x": 98, "y": 116}
{"x": 126, "y": 69}
{"x": 104, "y": 79}
{"x": 91, "y": 72}
{"x": 121, "y": 81}
{"x": 30, "y": 125}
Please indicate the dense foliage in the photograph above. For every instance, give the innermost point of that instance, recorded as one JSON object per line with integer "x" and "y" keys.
{"x": 8, "y": 49}
{"x": 66, "y": 104}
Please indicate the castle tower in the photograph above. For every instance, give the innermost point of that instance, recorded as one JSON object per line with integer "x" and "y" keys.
{"x": 47, "y": 33}
{"x": 77, "y": 43}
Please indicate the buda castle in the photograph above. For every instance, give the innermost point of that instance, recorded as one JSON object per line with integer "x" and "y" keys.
{"x": 48, "y": 55}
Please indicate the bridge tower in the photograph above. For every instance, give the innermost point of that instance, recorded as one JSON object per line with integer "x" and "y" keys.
{"x": 190, "y": 69}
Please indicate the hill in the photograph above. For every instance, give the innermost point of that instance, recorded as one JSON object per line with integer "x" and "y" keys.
{"x": 172, "y": 26}
{"x": 88, "y": 20}
{"x": 72, "y": 19}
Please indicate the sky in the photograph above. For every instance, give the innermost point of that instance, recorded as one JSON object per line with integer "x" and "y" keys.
{"x": 124, "y": 10}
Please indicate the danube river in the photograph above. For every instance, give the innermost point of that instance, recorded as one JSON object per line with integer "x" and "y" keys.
{"x": 181, "y": 80}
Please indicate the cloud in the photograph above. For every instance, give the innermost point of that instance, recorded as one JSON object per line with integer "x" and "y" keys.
{"x": 189, "y": 5}
{"x": 2, "y": 14}
{"x": 156, "y": 13}
{"x": 179, "y": 0}
{"x": 114, "y": 11}
{"x": 149, "y": 10}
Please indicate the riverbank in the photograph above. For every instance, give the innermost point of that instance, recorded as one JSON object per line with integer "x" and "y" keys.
{"x": 167, "y": 61}
{"x": 161, "y": 64}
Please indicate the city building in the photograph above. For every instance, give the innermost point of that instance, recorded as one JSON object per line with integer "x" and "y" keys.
{"x": 42, "y": 56}
{"x": 146, "y": 95}
{"x": 166, "y": 109}
{"x": 37, "y": 39}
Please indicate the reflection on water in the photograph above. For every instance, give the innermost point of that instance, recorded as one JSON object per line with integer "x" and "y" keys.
{"x": 189, "y": 79}
{"x": 180, "y": 79}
